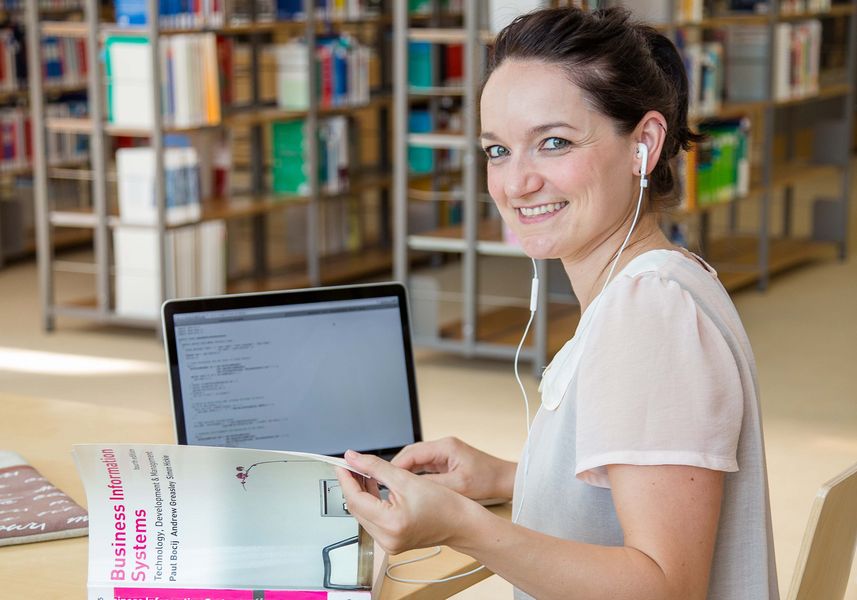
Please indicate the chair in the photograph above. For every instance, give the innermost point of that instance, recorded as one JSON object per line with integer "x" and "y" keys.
{"x": 827, "y": 550}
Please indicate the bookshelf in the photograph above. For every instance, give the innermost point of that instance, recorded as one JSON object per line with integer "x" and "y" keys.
{"x": 749, "y": 237}
{"x": 332, "y": 232}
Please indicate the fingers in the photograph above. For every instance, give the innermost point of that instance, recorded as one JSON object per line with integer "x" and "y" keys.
{"x": 376, "y": 468}
{"x": 423, "y": 456}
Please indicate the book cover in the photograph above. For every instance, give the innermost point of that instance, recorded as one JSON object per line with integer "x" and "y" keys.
{"x": 184, "y": 518}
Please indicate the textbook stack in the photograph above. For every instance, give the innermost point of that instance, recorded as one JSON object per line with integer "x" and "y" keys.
{"x": 135, "y": 175}
{"x": 195, "y": 259}
{"x": 716, "y": 170}
{"x": 342, "y": 72}
{"x": 797, "y": 57}
{"x": 195, "y": 254}
{"x": 64, "y": 61}
{"x": 190, "y": 88}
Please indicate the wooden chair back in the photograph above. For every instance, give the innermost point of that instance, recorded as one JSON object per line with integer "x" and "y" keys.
{"x": 827, "y": 550}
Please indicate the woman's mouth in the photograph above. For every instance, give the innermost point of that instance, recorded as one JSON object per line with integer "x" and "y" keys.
{"x": 533, "y": 214}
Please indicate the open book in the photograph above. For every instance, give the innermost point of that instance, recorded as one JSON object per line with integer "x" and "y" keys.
{"x": 188, "y": 522}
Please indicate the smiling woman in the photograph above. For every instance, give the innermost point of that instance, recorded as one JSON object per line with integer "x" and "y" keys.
{"x": 629, "y": 485}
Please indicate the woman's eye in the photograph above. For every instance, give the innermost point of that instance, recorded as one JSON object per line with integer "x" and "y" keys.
{"x": 496, "y": 151}
{"x": 555, "y": 143}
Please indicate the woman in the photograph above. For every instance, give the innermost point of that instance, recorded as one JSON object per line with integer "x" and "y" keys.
{"x": 629, "y": 486}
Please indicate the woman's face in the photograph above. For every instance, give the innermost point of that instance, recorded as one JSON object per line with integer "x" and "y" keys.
{"x": 559, "y": 173}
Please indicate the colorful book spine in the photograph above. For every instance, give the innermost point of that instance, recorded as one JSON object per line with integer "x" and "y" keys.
{"x": 172, "y": 14}
{"x": 341, "y": 70}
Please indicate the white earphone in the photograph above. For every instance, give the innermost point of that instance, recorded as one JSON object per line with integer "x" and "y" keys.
{"x": 643, "y": 153}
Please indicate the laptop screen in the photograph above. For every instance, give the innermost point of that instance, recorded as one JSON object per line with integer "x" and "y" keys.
{"x": 320, "y": 376}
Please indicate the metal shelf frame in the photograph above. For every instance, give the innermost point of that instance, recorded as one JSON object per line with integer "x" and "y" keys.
{"x": 469, "y": 247}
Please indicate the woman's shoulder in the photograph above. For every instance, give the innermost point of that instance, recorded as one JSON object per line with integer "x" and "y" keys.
{"x": 668, "y": 274}
{"x": 670, "y": 287}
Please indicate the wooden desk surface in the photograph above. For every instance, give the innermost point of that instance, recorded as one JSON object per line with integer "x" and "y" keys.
{"x": 43, "y": 432}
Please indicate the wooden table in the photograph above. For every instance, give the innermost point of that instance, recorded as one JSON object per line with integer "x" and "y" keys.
{"x": 43, "y": 432}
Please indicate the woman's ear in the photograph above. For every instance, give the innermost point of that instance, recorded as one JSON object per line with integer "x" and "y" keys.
{"x": 651, "y": 131}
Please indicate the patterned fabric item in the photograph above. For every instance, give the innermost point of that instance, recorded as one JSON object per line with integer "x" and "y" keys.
{"x": 31, "y": 508}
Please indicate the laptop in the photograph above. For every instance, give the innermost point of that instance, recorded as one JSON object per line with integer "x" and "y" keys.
{"x": 320, "y": 370}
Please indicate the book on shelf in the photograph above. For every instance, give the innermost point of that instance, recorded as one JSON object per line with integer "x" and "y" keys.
{"x": 14, "y": 5}
{"x": 341, "y": 69}
{"x": 289, "y": 156}
{"x": 195, "y": 258}
{"x": 243, "y": 12}
{"x": 668, "y": 11}
{"x": 791, "y": 7}
{"x": 704, "y": 65}
{"x": 797, "y": 57}
{"x": 172, "y": 14}
{"x": 64, "y": 61}
{"x": 11, "y": 54}
{"x": 190, "y": 94}
{"x": 420, "y": 159}
{"x": 179, "y": 522}
{"x": 16, "y": 143}
{"x": 748, "y": 59}
{"x": 717, "y": 169}
{"x": 421, "y": 64}
{"x": 135, "y": 175}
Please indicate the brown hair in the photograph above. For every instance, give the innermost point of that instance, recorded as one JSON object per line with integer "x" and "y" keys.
{"x": 624, "y": 68}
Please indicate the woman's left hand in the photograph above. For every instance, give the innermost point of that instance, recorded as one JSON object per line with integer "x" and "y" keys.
{"x": 418, "y": 513}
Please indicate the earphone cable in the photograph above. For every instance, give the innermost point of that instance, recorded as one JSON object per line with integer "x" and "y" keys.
{"x": 431, "y": 554}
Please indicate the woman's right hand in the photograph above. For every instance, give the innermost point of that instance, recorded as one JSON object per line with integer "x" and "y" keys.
{"x": 460, "y": 467}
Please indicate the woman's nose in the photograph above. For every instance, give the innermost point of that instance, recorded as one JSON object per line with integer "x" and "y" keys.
{"x": 522, "y": 179}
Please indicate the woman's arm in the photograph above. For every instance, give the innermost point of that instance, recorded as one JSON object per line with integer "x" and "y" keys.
{"x": 669, "y": 516}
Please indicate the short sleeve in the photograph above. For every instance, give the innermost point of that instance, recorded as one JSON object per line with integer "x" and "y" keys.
{"x": 658, "y": 384}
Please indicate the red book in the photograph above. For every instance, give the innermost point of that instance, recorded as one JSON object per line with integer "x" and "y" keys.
{"x": 6, "y": 51}
{"x": 325, "y": 58}
{"x": 28, "y": 138}
{"x": 224, "y": 67}
{"x": 454, "y": 63}
{"x": 81, "y": 57}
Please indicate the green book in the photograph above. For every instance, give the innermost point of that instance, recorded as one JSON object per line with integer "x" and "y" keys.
{"x": 287, "y": 144}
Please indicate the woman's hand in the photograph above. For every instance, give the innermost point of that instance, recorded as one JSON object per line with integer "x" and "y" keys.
{"x": 460, "y": 467}
{"x": 418, "y": 513}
